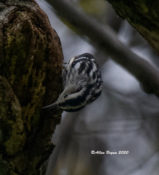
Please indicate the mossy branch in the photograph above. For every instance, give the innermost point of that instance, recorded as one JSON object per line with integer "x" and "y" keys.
{"x": 30, "y": 68}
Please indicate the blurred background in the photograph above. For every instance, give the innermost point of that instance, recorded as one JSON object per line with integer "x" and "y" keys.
{"x": 123, "y": 118}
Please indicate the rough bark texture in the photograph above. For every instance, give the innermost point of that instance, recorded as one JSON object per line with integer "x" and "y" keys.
{"x": 143, "y": 15}
{"x": 30, "y": 77}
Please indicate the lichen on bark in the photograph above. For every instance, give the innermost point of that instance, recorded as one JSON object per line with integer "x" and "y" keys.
{"x": 30, "y": 77}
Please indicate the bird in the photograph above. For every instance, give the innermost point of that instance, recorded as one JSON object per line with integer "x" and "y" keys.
{"x": 82, "y": 84}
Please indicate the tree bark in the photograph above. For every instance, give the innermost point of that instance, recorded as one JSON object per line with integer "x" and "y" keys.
{"x": 30, "y": 77}
{"x": 143, "y": 15}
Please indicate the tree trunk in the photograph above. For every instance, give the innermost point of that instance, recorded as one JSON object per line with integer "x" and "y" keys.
{"x": 30, "y": 77}
{"x": 143, "y": 15}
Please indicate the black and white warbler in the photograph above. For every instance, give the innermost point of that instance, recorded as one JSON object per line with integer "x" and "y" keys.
{"x": 82, "y": 84}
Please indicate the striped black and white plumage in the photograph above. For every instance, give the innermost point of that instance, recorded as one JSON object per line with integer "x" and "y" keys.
{"x": 82, "y": 83}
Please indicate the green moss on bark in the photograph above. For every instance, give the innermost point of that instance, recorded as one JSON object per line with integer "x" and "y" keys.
{"x": 30, "y": 68}
{"x": 11, "y": 125}
{"x": 25, "y": 49}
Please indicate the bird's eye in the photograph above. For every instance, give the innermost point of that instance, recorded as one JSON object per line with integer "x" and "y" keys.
{"x": 65, "y": 96}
